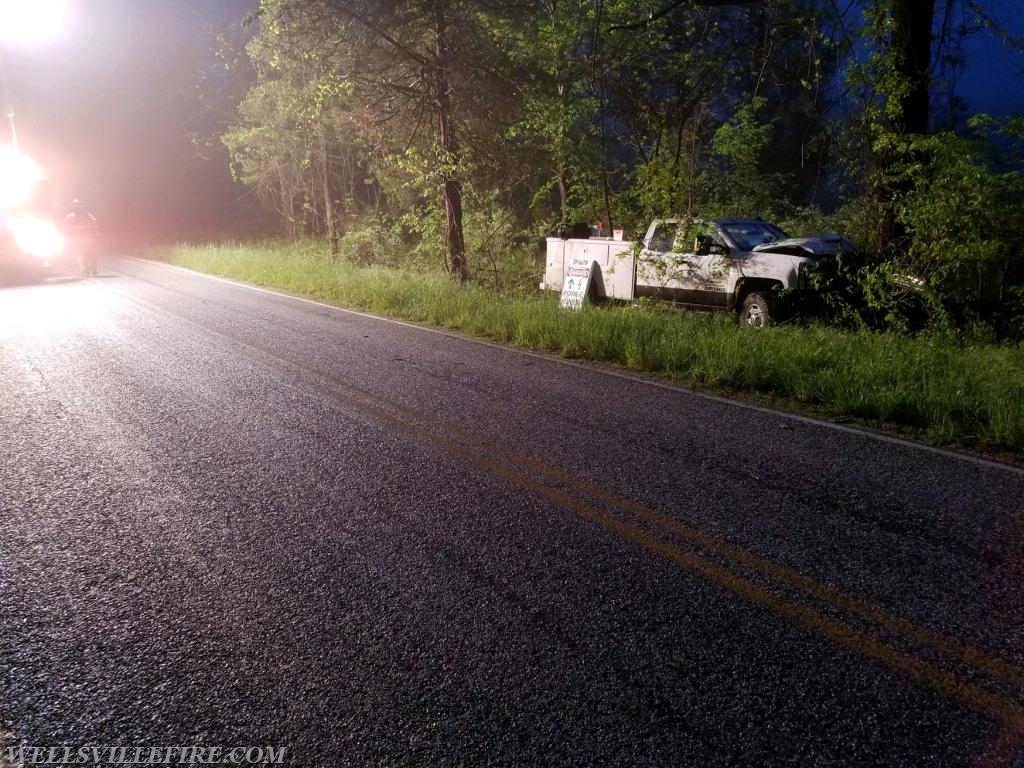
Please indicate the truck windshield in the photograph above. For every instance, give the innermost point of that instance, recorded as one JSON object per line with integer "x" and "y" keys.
{"x": 749, "y": 234}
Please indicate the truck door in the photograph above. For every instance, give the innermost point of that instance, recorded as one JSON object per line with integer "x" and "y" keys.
{"x": 711, "y": 265}
{"x": 686, "y": 262}
{"x": 662, "y": 271}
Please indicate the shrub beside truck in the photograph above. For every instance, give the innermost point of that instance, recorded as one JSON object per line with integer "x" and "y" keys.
{"x": 745, "y": 266}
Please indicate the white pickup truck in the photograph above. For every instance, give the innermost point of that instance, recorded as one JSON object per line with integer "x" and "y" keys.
{"x": 734, "y": 264}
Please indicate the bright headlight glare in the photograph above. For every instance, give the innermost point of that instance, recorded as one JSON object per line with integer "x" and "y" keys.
{"x": 37, "y": 237}
{"x": 18, "y": 177}
{"x": 27, "y": 24}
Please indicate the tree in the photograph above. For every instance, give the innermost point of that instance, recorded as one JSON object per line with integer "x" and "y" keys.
{"x": 399, "y": 57}
{"x": 485, "y": 116}
{"x": 293, "y": 140}
{"x": 550, "y": 81}
{"x": 911, "y": 54}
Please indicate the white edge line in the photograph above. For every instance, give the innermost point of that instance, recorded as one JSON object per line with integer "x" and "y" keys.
{"x": 595, "y": 367}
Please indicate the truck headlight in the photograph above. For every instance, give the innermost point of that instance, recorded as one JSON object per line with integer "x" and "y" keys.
{"x": 804, "y": 275}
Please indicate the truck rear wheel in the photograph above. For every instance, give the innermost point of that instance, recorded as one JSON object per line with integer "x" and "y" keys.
{"x": 757, "y": 310}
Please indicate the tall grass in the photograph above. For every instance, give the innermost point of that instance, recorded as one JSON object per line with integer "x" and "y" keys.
{"x": 952, "y": 392}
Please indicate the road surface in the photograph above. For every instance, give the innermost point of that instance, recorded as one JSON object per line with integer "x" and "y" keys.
{"x": 235, "y": 518}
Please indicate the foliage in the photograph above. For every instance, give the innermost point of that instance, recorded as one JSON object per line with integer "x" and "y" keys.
{"x": 960, "y": 261}
{"x": 953, "y": 391}
{"x": 556, "y": 111}
{"x": 474, "y": 128}
{"x": 556, "y": 98}
{"x": 506, "y": 259}
{"x": 964, "y": 215}
{"x": 374, "y": 241}
{"x": 737, "y": 185}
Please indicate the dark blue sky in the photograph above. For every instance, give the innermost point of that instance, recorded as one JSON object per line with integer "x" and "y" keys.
{"x": 993, "y": 81}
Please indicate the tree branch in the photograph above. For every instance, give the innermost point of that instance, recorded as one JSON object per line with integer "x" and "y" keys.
{"x": 359, "y": 18}
{"x": 672, "y": 6}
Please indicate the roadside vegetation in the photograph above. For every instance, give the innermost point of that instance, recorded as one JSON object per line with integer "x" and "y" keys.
{"x": 414, "y": 153}
{"x": 462, "y": 130}
{"x": 941, "y": 386}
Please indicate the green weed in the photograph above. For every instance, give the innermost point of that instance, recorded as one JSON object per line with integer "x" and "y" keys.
{"x": 954, "y": 392}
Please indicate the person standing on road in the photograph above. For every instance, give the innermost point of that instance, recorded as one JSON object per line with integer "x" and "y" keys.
{"x": 82, "y": 232}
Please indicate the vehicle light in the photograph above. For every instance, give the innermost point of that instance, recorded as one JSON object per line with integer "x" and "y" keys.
{"x": 25, "y": 25}
{"x": 37, "y": 237}
{"x": 18, "y": 177}
{"x": 806, "y": 269}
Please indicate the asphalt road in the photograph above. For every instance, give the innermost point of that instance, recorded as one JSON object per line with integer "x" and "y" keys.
{"x": 233, "y": 518}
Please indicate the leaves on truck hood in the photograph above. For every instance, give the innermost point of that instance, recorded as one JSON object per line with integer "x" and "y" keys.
{"x": 828, "y": 243}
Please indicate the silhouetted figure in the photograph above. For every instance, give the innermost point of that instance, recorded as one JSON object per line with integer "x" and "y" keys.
{"x": 82, "y": 232}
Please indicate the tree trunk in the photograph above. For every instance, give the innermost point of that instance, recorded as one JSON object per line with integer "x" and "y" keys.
{"x": 910, "y": 46}
{"x": 450, "y": 151}
{"x": 602, "y": 115}
{"x": 325, "y": 180}
{"x": 563, "y": 193}
{"x": 287, "y": 205}
{"x": 911, "y": 50}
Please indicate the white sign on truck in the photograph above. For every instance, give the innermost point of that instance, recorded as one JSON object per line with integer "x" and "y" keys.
{"x": 613, "y": 278}
{"x": 578, "y": 279}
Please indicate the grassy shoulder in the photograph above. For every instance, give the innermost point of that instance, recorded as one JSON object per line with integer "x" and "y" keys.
{"x": 951, "y": 393}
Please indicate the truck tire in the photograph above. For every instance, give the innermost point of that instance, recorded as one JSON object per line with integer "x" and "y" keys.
{"x": 757, "y": 310}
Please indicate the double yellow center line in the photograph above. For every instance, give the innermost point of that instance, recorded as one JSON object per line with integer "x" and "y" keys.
{"x": 539, "y": 476}
{"x": 661, "y": 533}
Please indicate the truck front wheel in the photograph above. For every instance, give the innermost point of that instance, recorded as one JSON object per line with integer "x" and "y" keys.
{"x": 757, "y": 310}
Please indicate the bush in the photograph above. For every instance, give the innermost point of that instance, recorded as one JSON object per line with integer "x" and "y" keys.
{"x": 501, "y": 254}
{"x": 373, "y": 242}
{"x": 956, "y": 261}
{"x": 965, "y": 217}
